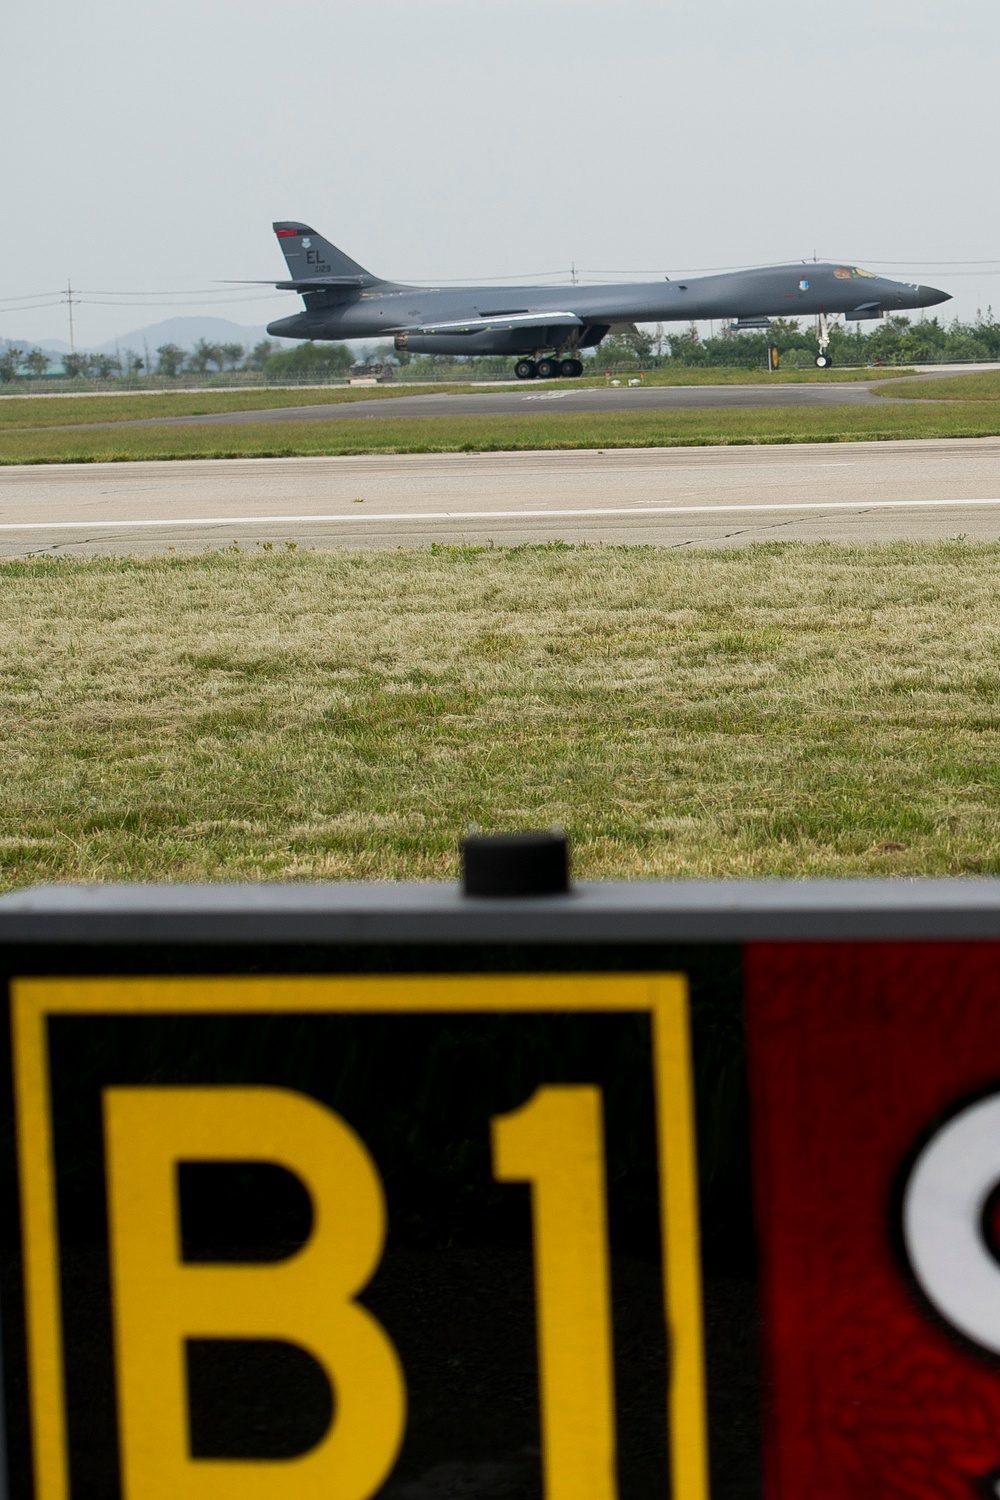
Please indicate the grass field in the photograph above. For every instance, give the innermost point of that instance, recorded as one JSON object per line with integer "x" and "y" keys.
{"x": 984, "y": 386}
{"x": 778, "y": 710}
{"x": 59, "y": 411}
{"x": 720, "y": 375}
{"x": 528, "y": 430}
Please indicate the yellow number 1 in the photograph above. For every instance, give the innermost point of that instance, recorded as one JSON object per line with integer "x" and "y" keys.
{"x": 556, "y": 1143}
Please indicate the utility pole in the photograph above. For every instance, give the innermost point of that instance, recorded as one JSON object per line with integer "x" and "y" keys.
{"x": 573, "y": 273}
{"x": 69, "y": 300}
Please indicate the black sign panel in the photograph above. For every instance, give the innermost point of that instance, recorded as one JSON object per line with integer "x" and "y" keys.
{"x": 636, "y": 1192}
{"x": 354, "y": 1235}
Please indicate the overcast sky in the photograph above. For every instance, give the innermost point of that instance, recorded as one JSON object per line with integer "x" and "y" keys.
{"x": 148, "y": 146}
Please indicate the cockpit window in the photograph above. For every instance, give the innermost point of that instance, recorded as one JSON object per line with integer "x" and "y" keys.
{"x": 848, "y": 273}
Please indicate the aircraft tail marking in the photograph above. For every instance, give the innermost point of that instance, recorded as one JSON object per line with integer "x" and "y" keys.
{"x": 310, "y": 257}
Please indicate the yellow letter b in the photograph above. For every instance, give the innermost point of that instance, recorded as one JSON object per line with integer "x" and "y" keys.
{"x": 160, "y": 1302}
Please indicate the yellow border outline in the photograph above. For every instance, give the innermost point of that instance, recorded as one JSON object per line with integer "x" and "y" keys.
{"x": 663, "y": 996}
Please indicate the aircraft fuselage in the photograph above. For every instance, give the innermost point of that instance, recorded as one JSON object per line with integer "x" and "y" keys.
{"x": 527, "y": 319}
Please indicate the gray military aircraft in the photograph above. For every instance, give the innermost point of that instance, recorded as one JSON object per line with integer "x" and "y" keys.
{"x": 547, "y": 326}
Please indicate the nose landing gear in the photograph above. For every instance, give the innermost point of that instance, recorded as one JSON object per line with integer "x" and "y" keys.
{"x": 824, "y": 358}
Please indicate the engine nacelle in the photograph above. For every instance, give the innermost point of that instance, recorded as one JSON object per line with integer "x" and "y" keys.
{"x": 533, "y": 339}
{"x": 455, "y": 343}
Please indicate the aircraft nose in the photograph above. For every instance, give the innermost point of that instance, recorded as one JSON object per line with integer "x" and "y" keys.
{"x": 929, "y": 296}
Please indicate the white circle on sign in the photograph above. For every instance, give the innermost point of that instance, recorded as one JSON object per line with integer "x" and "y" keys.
{"x": 943, "y": 1205}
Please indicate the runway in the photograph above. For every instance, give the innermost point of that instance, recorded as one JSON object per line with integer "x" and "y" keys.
{"x": 674, "y": 497}
{"x": 523, "y": 400}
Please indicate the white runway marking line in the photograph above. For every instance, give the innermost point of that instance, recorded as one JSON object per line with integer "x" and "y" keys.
{"x": 498, "y": 515}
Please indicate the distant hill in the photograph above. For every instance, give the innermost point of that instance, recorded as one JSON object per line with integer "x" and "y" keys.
{"x": 186, "y": 332}
{"x": 54, "y": 348}
{"x": 183, "y": 331}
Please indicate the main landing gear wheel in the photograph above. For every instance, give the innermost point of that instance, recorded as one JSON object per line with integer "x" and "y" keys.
{"x": 823, "y": 361}
{"x": 526, "y": 369}
{"x": 571, "y": 367}
{"x": 547, "y": 369}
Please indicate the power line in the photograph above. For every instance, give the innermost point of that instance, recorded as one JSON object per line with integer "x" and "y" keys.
{"x": 191, "y": 302}
{"x": 430, "y": 281}
{"x": 31, "y": 297}
{"x": 199, "y": 296}
{"x": 124, "y": 298}
{"x": 567, "y": 272}
{"x": 937, "y": 263}
{"x": 38, "y": 307}
{"x": 972, "y": 273}
{"x": 191, "y": 291}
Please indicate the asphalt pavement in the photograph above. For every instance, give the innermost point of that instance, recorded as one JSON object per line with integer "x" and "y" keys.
{"x": 523, "y": 399}
{"x": 674, "y": 497}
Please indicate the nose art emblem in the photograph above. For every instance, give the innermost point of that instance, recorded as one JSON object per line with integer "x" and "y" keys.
{"x": 803, "y": 286}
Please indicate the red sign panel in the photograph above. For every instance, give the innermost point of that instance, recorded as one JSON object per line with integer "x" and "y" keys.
{"x": 875, "y": 1094}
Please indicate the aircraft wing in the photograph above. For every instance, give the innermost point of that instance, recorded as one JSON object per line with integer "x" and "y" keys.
{"x": 314, "y": 283}
{"x": 318, "y": 283}
{"x": 501, "y": 323}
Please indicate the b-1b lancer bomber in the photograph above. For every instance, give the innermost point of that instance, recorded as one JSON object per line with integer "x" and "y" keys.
{"x": 547, "y": 326}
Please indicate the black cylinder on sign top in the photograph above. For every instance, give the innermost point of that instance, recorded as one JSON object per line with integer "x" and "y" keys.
{"x": 515, "y": 864}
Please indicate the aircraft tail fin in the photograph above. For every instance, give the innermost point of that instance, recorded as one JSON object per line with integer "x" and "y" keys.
{"x": 310, "y": 257}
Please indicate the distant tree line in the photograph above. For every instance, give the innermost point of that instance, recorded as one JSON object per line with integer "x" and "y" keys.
{"x": 311, "y": 361}
{"x": 172, "y": 360}
{"x": 17, "y": 363}
{"x": 893, "y": 341}
{"x": 306, "y": 360}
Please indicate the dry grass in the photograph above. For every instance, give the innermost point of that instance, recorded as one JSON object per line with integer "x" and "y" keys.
{"x": 778, "y": 710}
{"x": 58, "y": 411}
{"x": 490, "y": 434}
{"x": 723, "y": 375}
{"x": 982, "y": 386}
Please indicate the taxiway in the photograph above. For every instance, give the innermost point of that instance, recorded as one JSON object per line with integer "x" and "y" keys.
{"x": 674, "y": 497}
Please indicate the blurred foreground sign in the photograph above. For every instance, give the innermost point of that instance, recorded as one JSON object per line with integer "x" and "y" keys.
{"x": 642, "y": 1191}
